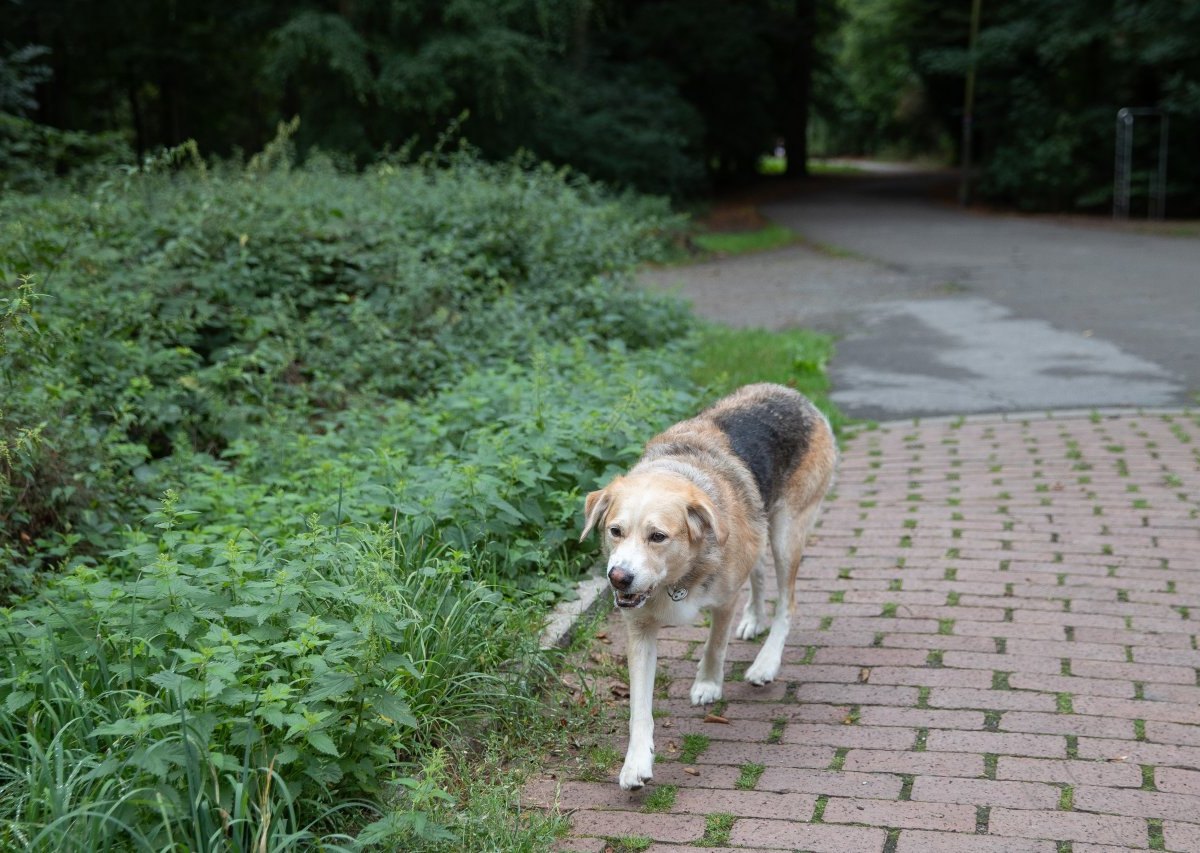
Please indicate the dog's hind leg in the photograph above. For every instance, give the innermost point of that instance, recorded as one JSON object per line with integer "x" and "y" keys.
{"x": 643, "y": 660}
{"x": 711, "y": 673}
{"x": 754, "y": 617}
{"x": 788, "y": 535}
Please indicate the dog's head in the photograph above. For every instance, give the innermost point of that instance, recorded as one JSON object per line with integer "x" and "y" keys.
{"x": 652, "y": 525}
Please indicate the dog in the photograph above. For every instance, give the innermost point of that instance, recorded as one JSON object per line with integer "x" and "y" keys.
{"x": 692, "y": 519}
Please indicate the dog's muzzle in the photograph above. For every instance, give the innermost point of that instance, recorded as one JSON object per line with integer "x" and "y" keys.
{"x": 621, "y": 580}
{"x": 630, "y": 600}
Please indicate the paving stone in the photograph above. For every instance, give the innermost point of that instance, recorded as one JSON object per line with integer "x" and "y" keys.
{"x": 834, "y": 783}
{"x": 658, "y": 827}
{"x": 924, "y": 841}
{"x": 986, "y": 792}
{"x": 1181, "y": 837}
{"x": 768, "y": 804}
{"x": 1044, "y": 746}
{"x": 938, "y": 763}
{"x": 818, "y": 838}
{"x": 1145, "y": 804}
{"x": 1111, "y": 774}
{"x": 945, "y": 816}
{"x": 1178, "y": 781}
{"x": 1068, "y": 826}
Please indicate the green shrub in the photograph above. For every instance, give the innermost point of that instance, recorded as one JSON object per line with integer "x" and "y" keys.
{"x": 496, "y": 464}
{"x": 289, "y": 674}
{"x": 33, "y": 155}
{"x": 373, "y": 402}
{"x": 181, "y": 310}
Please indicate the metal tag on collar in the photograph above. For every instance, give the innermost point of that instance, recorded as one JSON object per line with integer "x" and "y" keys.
{"x": 677, "y": 593}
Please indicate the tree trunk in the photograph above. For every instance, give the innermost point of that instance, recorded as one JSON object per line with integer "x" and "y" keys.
{"x": 798, "y": 87}
{"x": 139, "y": 123}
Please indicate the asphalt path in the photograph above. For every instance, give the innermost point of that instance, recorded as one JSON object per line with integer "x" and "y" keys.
{"x": 940, "y": 310}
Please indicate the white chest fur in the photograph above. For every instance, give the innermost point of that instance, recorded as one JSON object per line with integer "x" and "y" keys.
{"x": 676, "y": 610}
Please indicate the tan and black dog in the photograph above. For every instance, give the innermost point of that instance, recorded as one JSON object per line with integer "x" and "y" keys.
{"x": 686, "y": 526}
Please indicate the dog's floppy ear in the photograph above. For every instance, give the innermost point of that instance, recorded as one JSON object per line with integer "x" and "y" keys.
{"x": 594, "y": 507}
{"x": 702, "y": 516}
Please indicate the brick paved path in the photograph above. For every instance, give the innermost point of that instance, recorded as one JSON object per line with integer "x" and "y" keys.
{"x": 995, "y": 650}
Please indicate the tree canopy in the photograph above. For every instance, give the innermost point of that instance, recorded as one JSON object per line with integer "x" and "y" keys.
{"x": 669, "y": 96}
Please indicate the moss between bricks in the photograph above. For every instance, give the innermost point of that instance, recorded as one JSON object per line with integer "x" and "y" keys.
{"x": 1154, "y": 827}
{"x": 693, "y": 746}
{"x": 777, "y": 726}
{"x": 661, "y": 799}
{"x": 819, "y": 811}
{"x": 990, "y": 761}
{"x": 1066, "y": 799}
{"x": 750, "y": 774}
{"x": 717, "y": 827}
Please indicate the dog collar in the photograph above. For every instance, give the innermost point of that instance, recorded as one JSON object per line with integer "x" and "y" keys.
{"x": 677, "y": 593}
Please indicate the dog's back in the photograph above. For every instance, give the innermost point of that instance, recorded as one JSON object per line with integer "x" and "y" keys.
{"x": 770, "y": 429}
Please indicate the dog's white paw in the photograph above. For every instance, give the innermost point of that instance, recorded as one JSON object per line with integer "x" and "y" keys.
{"x": 751, "y": 626}
{"x": 762, "y": 672}
{"x": 705, "y": 692}
{"x": 638, "y": 769}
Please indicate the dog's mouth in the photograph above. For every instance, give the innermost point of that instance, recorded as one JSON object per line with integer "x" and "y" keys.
{"x": 630, "y": 600}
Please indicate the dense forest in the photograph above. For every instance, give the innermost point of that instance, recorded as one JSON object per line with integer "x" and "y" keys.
{"x": 669, "y": 96}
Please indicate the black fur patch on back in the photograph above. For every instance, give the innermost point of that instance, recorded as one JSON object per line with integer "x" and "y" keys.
{"x": 770, "y": 436}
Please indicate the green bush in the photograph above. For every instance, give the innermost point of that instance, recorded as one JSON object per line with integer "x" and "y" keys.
{"x": 33, "y": 155}
{"x": 239, "y": 689}
{"x": 497, "y": 463}
{"x": 180, "y": 310}
{"x": 373, "y": 402}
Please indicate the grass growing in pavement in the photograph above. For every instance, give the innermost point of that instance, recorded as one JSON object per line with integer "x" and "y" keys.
{"x": 717, "y": 828}
{"x": 770, "y": 236}
{"x": 660, "y": 799}
{"x": 749, "y": 777}
{"x": 693, "y": 746}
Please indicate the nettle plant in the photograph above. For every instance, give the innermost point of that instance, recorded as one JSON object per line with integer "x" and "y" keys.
{"x": 229, "y": 685}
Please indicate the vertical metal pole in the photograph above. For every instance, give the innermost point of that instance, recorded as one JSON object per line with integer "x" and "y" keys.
{"x": 1124, "y": 155}
{"x": 964, "y": 186}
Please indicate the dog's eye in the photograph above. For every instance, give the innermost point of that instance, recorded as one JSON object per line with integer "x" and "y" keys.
{"x": 658, "y": 536}
{"x": 614, "y": 532}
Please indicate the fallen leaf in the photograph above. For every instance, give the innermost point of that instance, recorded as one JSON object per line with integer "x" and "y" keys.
{"x": 691, "y": 771}
{"x": 715, "y": 718}
{"x": 1119, "y": 758}
{"x": 864, "y": 675}
{"x": 621, "y": 691}
{"x": 666, "y": 724}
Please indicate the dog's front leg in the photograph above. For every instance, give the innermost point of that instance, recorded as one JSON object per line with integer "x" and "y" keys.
{"x": 710, "y": 675}
{"x": 643, "y": 659}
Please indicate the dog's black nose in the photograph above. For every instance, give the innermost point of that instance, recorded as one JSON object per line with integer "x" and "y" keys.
{"x": 620, "y": 578}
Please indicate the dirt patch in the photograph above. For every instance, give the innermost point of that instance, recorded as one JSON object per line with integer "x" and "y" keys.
{"x": 733, "y": 217}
